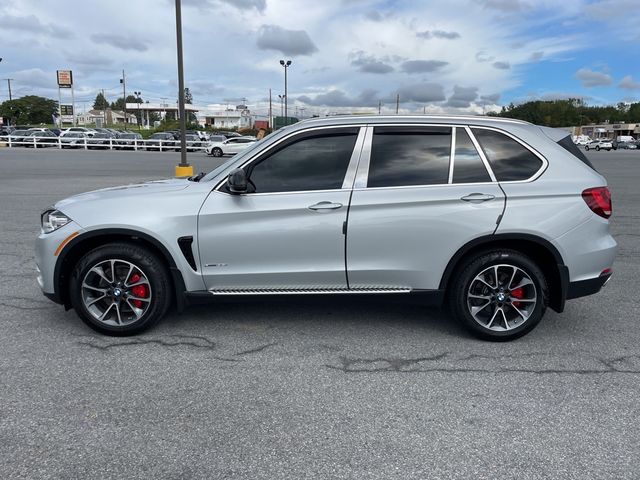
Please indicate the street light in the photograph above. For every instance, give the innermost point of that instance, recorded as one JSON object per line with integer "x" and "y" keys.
{"x": 286, "y": 64}
{"x": 137, "y": 94}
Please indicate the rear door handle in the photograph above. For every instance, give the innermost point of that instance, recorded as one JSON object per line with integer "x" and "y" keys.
{"x": 325, "y": 206}
{"x": 478, "y": 197}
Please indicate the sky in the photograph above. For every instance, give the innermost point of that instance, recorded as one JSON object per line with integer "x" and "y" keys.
{"x": 456, "y": 56}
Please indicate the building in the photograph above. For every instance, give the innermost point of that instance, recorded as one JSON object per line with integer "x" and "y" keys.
{"x": 101, "y": 117}
{"x": 239, "y": 117}
{"x": 145, "y": 108}
{"x": 610, "y": 130}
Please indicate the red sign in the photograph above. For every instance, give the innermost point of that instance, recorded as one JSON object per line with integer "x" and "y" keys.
{"x": 65, "y": 78}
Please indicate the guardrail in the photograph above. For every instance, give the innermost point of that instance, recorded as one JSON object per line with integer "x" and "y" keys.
{"x": 88, "y": 143}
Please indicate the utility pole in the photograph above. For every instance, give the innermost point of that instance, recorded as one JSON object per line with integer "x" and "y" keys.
{"x": 104, "y": 109}
{"x": 397, "y": 103}
{"x": 183, "y": 169}
{"x": 379, "y": 106}
{"x": 124, "y": 98}
{"x": 424, "y": 109}
{"x": 281, "y": 97}
{"x": 270, "y": 112}
{"x": 9, "y": 84}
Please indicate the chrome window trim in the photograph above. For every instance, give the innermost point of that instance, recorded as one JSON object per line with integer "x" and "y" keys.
{"x": 483, "y": 157}
{"x": 535, "y": 176}
{"x": 436, "y": 185}
{"x": 267, "y": 149}
{"x": 452, "y": 155}
{"x": 352, "y": 168}
{"x": 362, "y": 175}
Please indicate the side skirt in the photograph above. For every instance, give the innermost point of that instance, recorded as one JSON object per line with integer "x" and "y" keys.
{"x": 420, "y": 297}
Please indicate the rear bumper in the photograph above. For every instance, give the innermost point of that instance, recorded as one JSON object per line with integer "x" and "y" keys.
{"x": 583, "y": 288}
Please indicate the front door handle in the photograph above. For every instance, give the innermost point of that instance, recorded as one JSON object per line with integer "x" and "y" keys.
{"x": 325, "y": 206}
{"x": 478, "y": 197}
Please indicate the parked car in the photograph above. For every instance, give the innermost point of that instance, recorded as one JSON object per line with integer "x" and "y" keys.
{"x": 6, "y": 130}
{"x": 17, "y": 137}
{"x": 602, "y": 144}
{"x": 129, "y": 140}
{"x": 74, "y": 140}
{"x": 231, "y": 146}
{"x": 101, "y": 140}
{"x": 89, "y": 132}
{"x": 193, "y": 142}
{"x": 39, "y": 139}
{"x": 624, "y": 145}
{"x": 430, "y": 207}
{"x": 162, "y": 141}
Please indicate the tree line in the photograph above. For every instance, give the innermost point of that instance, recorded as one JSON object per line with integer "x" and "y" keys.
{"x": 570, "y": 112}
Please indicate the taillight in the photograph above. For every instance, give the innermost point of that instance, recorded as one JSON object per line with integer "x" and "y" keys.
{"x": 599, "y": 200}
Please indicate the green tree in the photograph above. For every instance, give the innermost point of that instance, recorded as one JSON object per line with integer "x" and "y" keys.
{"x": 119, "y": 103}
{"x": 29, "y": 110}
{"x": 100, "y": 102}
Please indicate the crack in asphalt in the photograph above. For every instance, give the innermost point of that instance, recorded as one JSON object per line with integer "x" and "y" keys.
{"x": 416, "y": 365}
{"x": 255, "y": 350}
{"x": 177, "y": 340}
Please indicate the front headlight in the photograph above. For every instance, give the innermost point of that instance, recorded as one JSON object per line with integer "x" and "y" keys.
{"x": 52, "y": 220}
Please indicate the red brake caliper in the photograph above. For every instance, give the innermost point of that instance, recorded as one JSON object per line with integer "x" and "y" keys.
{"x": 517, "y": 293}
{"x": 138, "y": 291}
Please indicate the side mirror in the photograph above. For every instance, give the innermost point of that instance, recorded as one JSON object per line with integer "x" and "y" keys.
{"x": 237, "y": 181}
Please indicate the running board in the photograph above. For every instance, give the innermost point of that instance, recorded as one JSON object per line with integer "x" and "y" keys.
{"x": 310, "y": 291}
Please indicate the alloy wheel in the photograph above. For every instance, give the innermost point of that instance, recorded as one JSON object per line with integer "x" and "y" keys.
{"x": 501, "y": 297}
{"x": 116, "y": 292}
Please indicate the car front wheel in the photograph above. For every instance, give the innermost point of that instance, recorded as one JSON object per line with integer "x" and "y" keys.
{"x": 499, "y": 295}
{"x": 216, "y": 152}
{"x": 120, "y": 289}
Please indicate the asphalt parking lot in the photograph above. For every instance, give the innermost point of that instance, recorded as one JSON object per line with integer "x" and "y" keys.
{"x": 307, "y": 388}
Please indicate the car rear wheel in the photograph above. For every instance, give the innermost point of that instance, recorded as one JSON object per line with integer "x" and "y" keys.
{"x": 598, "y": 148}
{"x": 499, "y": 295}
{"x": 120, "y": 289}
{"x": 216, "y": 152}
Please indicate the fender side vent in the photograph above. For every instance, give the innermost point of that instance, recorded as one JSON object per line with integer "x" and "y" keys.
{"x": 185, "y": 245}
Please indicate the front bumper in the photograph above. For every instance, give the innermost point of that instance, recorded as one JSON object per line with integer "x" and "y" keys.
{"x": 47, "y": 249}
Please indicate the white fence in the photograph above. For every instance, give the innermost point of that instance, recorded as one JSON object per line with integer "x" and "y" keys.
{"x": 99, "y": 143}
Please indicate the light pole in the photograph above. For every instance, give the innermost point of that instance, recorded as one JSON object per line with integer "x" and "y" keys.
{"x": 183, "y": 169}
{"x": 286, "y": 64}
{"x": 137, "y": 94}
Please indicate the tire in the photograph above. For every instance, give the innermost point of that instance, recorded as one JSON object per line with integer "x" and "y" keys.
{"x": 515, "y": 310}
{"x": 123, "y": 314}
{"x": 586, "y": 147}
{"x": 598, "y": 148}
{"x": 216, "y": 152}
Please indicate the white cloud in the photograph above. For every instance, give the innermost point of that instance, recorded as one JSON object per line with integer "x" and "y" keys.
{"x": 591, "y": 78}
{"x": 629, "y": 84}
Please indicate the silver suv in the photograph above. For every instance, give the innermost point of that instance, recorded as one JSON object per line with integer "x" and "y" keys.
{"x": 499, "y": 219}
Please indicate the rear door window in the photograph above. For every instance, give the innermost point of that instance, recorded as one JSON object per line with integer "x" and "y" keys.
{"x": 406, "y": 156}
{"x": 467, "y": 165}
{"x": 509, "y": 160}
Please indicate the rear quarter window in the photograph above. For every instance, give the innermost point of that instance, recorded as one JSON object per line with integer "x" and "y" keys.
{"x": 573, "y": 149}
{"x": 509, "y": 160}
